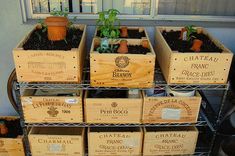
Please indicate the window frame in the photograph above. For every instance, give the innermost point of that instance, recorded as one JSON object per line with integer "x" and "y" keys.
{"x": 27, "y": 13}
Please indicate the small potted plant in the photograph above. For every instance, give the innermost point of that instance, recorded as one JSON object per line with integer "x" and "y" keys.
{"x": 52, "y": 52}
{"x": 108, "y": 29}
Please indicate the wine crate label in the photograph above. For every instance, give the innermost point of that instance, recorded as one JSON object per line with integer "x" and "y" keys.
{"x": 171, "y": 114}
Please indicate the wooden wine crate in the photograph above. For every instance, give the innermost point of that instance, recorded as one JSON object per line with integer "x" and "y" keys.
{"x": 192, "y": 68}
{"x": 170, "y": 141}
{"x": 171, "y": 109}
{"x": 50, "y": 65}
{"x": 56, "y": 141}
{"x": 113, "y": 110}
{"x": 121, "y": 70}
{"x": 140, "y": 29}
{"x": 115, "y": 141}
{"x": 11, "y": 146}
{"x": 52, "y": 106}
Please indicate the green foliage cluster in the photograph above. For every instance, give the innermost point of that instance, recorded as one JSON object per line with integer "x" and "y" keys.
{"x": 190, "y": 30}
{"x": 107, "y": 24}
{"x": 64, "y": 13}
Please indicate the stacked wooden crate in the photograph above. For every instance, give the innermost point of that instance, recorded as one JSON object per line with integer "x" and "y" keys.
{"x": 122, "y": 70}
{"x": 44, "y": 106}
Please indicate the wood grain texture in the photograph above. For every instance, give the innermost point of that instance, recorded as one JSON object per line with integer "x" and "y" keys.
{"x": 115, "y": 143}
{"x": 11, "y": 147}
{"x": 192, "y": 68}
{"x": 113, "y": 110}
{"x": 170, "y": 142}
{"x": 50, "y": 65}
{"x": 122, "y": 70}
{"x": 171, "y": 109}
{"x": 69, "y": 142}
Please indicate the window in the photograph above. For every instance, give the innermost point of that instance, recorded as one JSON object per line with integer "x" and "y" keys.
{"x": 197, "y": 7}
{"x": 138, "y": 9}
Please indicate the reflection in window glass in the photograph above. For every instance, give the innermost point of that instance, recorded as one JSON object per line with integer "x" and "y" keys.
{"x": 129, "y": 7}
{"x": 197, "y": 7}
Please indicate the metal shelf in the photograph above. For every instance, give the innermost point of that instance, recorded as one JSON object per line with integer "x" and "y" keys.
{"x": 195, "y": 154}
{"x": 202, "y": 121}
{"x": 85, "y": 85}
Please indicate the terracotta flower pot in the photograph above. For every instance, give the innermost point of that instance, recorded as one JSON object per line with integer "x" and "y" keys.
{"x": 196, "y": 45}
{"x": 57, "y": 28}
{"x": 123, "y": 49}
{"x": 124, "y": 32}
{"x": 145, "y": 44}
{"x": 3, "y": 129}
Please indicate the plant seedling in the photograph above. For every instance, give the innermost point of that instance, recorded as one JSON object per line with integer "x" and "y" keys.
{"x": 107, "y": 26}
{"x": 190, "y": 30}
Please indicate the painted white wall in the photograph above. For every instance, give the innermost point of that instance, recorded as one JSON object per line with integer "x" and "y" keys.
{"x": 12, "y": 30}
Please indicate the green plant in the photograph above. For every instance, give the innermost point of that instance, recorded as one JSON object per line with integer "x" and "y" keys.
{"x": 64, "y": 13}
{"x": 190, "y": 30}
{"x": 106, "y": 24}
{"x": 107, "y": 49}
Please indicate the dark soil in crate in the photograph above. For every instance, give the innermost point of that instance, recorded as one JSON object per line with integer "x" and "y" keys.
{"x": 176, "y": 44}
{"x": 132, "y": 49}
{"x": 107, "y": 94}
{"x": 135, "y": 34}
{"x": 14, "y": 128}
{"x": 38, "y": 41}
